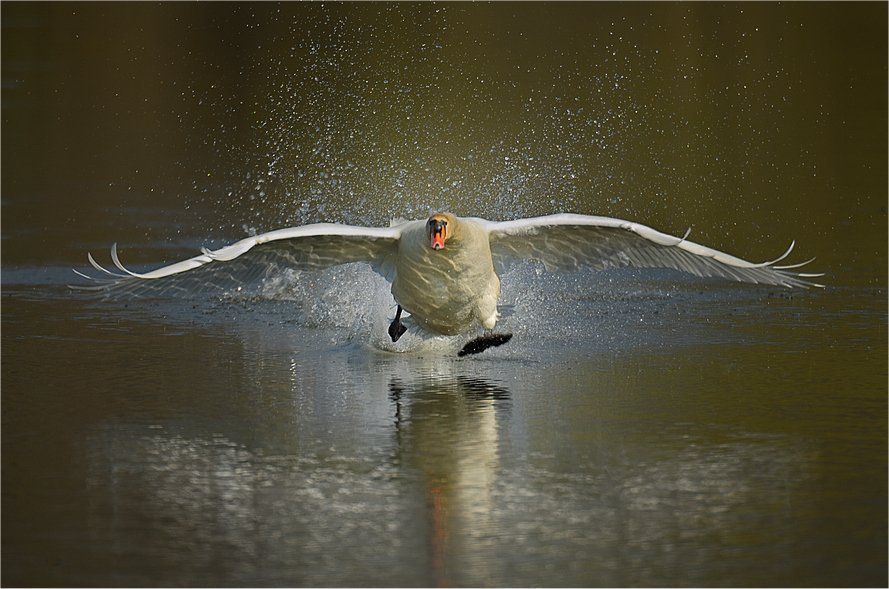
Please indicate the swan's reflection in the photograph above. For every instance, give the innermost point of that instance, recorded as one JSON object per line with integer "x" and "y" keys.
{"x": 345, "y": 466}
{"x": 448, "y": 431}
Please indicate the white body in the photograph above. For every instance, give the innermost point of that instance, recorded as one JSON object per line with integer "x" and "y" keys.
{"x": 451, "y": 290}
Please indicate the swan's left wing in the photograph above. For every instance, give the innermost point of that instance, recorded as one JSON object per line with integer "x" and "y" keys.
{"x": 569, "y": 241}
{"x": 310, "y": 247}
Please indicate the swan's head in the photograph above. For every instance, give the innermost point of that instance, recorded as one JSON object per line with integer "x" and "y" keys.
{"x": 440, "y": 227}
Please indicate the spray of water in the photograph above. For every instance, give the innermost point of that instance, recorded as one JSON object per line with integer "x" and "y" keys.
{"x": 350, "y": 119}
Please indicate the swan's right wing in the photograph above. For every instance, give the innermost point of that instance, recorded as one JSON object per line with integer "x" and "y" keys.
{"x": 568, "y": 241}
{"x": 310, "y": 247}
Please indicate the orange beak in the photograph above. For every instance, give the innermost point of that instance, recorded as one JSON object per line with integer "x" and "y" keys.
{"x": 438, "y": 240}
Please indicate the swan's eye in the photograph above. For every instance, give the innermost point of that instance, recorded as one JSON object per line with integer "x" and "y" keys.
{"x": 437, "y": 223}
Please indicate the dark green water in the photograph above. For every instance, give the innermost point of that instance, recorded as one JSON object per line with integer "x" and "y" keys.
{"x": 640, "y": 429}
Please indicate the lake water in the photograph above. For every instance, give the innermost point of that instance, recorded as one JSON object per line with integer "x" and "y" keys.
{"x": 641, "y": 428}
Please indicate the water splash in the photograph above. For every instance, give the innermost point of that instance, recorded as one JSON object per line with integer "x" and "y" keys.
{"x": 352, "y": 120}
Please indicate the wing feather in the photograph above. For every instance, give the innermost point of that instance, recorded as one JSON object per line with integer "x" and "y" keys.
{"x": 568, "y": 241}
{"x": 310, "y": 247}
{"x": 99, "y": 267}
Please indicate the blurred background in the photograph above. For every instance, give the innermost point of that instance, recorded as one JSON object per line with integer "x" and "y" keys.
{"x": 752, "y": 123}
{"x": 641, "y": 428}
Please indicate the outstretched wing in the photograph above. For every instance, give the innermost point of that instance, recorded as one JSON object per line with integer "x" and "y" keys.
{"x": 569, "y": 241}
{"x": 310, "y": 247}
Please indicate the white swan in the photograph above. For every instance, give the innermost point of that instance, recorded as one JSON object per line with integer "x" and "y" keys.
{"x": 443, "y": 269}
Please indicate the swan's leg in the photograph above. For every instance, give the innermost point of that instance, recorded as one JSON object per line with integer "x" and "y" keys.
{"x": 396, "y": 328}
{"x": 487, "y": 315}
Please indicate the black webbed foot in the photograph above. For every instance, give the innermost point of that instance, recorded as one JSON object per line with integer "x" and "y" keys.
{"x": 483, "y": 342}
{"x": 397, "y": 328}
